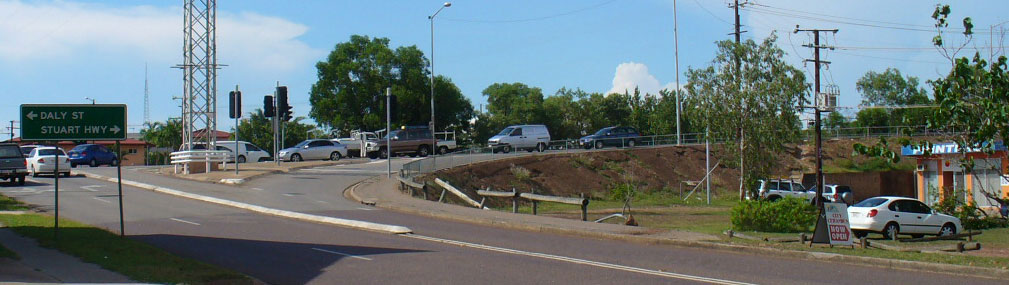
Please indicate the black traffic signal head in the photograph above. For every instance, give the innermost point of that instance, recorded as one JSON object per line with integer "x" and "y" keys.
{"x": 283, "y": 107}
{"x": 268, "y": 109}
{"x": 235, "y": 104}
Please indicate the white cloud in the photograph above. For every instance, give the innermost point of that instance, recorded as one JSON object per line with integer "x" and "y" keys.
{"x": 61, "y": 30}
{"x": 632, "y": 74}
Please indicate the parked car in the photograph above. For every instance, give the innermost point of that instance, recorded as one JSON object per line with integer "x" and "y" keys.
{"x": 246, "y": 151}
{"x": 92, "y": 155}
{"x": 13, "y": 166}
{"x": 891, "y": 216}
{"x": 314, "y": 149}
{"x": 26, "y": 149}
{"x": 611, "y": 136}
{"x": 413, "y": 141}
{"x": 775, "y": 189}
{"x": 42, "y": 160}
{"x": 833, "y": 193}
{"x": 527, "y": 137}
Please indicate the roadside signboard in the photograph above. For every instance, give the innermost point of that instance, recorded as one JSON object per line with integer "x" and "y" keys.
{"x": 73, "y": 122}
{"x": 838, "y": 225}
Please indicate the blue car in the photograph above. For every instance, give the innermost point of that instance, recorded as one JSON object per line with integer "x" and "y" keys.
{"x": 611, "y": 136}
{"x": 92, "y": 155}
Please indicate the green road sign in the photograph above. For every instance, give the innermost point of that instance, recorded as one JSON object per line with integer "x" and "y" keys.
{"x": 73, "y": 122}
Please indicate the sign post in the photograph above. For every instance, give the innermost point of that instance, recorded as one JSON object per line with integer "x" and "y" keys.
{"x": 838, "y": 225}
{"x": 75, "y": 122}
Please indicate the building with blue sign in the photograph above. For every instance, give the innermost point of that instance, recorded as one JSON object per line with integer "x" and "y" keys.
{"x": 940, "y": 174}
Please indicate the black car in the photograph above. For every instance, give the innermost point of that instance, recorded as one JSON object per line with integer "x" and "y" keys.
{"x": 12, "y": 163}
{"x": 611, "y": 136}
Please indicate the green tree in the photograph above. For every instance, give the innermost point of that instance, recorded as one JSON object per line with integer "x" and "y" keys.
{"x": 166, "y": 134}
{"x": 510, "y": 104}
{"x": 753, "y": 103}
{"x": 892, "y": 89}
{"x": 350, "y": 91}
{"x": 835, "y": 120}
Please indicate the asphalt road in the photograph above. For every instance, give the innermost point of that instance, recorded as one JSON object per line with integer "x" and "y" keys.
{"x": 284, "y": 251}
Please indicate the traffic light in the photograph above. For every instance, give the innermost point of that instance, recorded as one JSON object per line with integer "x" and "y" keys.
{"x": 235, "y": 104}
{"x": 268, "y": 109}
{"x": 283, "y": 108}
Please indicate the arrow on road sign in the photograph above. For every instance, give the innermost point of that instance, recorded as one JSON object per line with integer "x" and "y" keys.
{"x": 31, "y": 115}
{"x": 115, "y": 129}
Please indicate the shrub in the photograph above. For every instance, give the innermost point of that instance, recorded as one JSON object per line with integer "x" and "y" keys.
{"x": 970, "y": 216}
{"x": 782, "y": 216}
{"x": 621, "y": 191}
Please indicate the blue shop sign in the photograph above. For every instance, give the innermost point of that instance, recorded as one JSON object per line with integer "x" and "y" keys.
{"x": 945, "y": 148}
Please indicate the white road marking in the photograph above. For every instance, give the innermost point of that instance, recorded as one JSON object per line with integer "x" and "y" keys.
{"x": 377, "y": 161}
{"x": 340, "y": 253}
{"x": 103, "y": 200}
{"x": 92, "y": 187}
{"x": 321, "y": 202}
{"x": 289, "y": 195}
{"x": 257, "y": 189}
{"x": 366, "y": 209}
{"x": 345, "y": 171}
{"x": 578, "y": 261}
{"x": 185, "y": 221}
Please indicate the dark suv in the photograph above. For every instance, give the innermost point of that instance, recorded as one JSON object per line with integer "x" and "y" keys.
{"x": 13, "y": 166}
{"x": 415, "y": 141}
{"x": 611, "y": 136}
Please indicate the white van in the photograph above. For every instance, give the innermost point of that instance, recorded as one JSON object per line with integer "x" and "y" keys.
{"x": 527, "y": 137}
{"x": 246, "y": 151}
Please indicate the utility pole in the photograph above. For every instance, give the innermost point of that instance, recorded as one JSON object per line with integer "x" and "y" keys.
{"x": 819, "y": 146}
{"x": 676, "y": 41}
{"x": 11, "y": 129}
{"x": 742, "y": 134}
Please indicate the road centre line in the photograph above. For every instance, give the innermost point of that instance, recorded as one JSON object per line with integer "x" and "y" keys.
{"x": 185, "y": 221}
{"x": 103, "y": 200}
{"x": 577, "y": 261}
{"x": 92, "y": 187}
{"x": 340, "y": 253}
{"x": 257, "y": 188}
{"x": 366, "y": 209}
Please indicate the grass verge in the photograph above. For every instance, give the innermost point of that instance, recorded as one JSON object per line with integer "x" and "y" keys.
{"x": 137, "y": 260}
{"x": 8, "y": 204}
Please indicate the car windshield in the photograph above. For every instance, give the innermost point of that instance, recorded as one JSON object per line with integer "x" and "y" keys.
{"x": 80, "y": 148}
{"x": 8, "y": 151}
{"x": 505, "y": 132}
{"x": 391, "y": 134}
{"x": 603, "y": 131}
{"x": 872, "y": 202}
{"x": 49, "y": 151}
{"x": 301, "y": 144}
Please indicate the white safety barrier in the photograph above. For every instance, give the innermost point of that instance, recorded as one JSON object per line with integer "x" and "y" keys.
{"x": 184, "y": 158}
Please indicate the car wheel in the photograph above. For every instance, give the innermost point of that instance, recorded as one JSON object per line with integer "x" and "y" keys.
{"x": 383, "y": 153}
{"x": 773, "y": 198}
{"x": 443, "y": 150}
{"x": 630, "y": 143}
{"x": 335, "y": 156}
{"x": 599, "y": 145}
{"x": 541, "y": 147}
{"x": 241, "y": 159}
{"x": 93, "y": 163}
{"x": 947, "y": 230}
{"x": 115, "y": 162}
{"x": 423, "y": 151}
{"x": 891, "y": 230}
{"x": 530, "y": 150}
{"x": 296, "y": 157}
{"x": 506, "y": 149}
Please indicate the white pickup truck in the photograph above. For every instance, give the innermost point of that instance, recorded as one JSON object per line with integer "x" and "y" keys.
{"x": 446, "y": 142}
{"x": 775, "y": 189}
{"x": 355, "y": 141}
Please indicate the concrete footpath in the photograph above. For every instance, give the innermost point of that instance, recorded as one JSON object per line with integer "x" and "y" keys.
{"x": 385, "y": 193}
{"x": 43, "y": 265}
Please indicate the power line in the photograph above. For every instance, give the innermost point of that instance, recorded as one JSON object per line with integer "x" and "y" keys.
{"x": 711, "y": 13}
{"x": 540, "y": 18}
{"x": 908, "y": 27}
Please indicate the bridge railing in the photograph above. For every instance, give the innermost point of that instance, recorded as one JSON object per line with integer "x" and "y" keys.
{"x": 209, "y": 157}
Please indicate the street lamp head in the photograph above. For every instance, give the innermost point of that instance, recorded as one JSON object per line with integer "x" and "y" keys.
{"x": 448, "y": 4}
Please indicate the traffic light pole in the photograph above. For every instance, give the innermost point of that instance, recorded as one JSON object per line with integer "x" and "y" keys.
{"x": 238, "y": 114}
{"x": 388, "y": 125}
{"x": 276, "y": 112}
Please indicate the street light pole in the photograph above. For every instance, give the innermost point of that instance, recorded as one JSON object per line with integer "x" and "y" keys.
{"x": 89, "y": 98}
{"x": 434, "y": 139}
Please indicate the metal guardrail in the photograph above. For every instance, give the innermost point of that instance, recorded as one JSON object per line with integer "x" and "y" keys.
{"x": 184, "y": 158}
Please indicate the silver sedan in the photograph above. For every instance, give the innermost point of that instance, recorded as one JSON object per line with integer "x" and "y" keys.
{"x": 318, "y": 149}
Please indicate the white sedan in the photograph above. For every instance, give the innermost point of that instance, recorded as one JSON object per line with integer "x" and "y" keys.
{"x": 42, "y": 160}
{"x": 891, "y": 216}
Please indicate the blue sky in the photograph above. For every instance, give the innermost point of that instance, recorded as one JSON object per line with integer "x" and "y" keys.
{"x": 64, "y": 51}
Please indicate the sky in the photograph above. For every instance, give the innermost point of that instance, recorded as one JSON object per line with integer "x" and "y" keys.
{"x": 67, "y": 51}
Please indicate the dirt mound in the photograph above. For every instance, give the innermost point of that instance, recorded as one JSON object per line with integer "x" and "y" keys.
{"x": 596, "y": 174}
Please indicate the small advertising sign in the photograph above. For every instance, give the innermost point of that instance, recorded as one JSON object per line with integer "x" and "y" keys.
{"x": 837, "y": 223}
